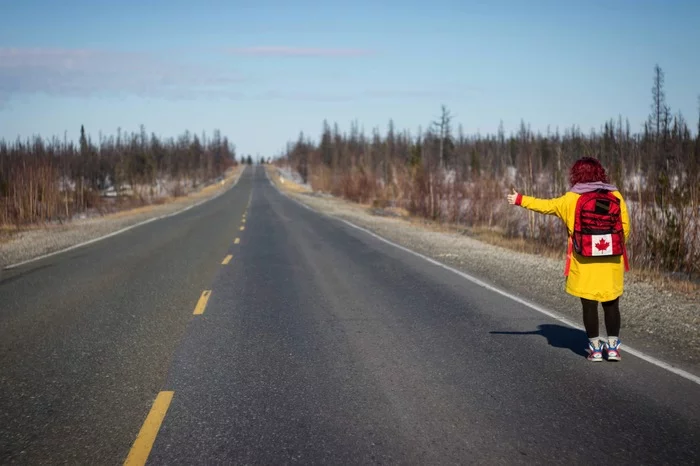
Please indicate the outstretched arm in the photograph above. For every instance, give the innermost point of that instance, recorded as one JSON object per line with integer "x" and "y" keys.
{"x": 556, "y": 206}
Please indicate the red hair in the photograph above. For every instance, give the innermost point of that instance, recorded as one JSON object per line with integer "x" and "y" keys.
{"x": 587, "y": 170}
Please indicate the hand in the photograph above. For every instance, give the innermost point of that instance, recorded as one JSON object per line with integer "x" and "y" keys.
{"x": 512, "y": 197}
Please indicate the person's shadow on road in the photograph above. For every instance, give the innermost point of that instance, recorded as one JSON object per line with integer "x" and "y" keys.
{"x": 558, "y": 336}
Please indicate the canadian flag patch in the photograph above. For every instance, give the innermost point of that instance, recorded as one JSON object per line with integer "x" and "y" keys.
{"x": 602, "y": 245}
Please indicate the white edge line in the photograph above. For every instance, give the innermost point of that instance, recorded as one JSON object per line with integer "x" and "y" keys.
{"x": 122, "y": 230}
{"x": 641, "y": 355}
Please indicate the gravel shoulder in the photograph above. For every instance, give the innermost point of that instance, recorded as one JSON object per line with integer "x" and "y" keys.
{"x": 660, "y": 322}
{"x": 36, "y": 242}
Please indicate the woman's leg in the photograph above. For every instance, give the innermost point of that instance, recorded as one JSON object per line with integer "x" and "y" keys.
{"x": 590, "y": 321}
{"x": 612, "y": 325}
{"x": 590, "y": 318}
{"x": 612, "y": 318}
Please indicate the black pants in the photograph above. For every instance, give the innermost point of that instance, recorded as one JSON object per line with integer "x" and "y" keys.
{"x": 612, "y": 317}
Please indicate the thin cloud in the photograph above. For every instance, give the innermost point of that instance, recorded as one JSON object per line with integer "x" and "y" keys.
{"x": 418, "y": 93}
{"x": 265, "y": 51}
{"x": 90, "y": 72}
{"x": 87, "y": 72}
{"x": 325, "y": 97}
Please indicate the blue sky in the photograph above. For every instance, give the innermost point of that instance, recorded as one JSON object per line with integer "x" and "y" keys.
{"x": 261, "y": 71}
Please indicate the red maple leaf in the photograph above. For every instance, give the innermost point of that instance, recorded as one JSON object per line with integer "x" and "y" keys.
{"x": 602, "y": 245}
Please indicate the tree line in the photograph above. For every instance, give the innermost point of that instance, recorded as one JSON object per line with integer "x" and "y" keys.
{"x": 449, "y": 176}
{"x": 53, "y": 180}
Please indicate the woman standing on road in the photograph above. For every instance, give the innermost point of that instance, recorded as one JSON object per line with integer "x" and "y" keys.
{"x": 596, "y": 218}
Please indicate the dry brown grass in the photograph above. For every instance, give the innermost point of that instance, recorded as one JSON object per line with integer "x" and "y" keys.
{"x": 292, "y": 186}
{"x": 6, "y": 235}
{"x": 202, "y": 193}
{"x": 127, "y": 209}
{"x": 285, "y": 183}
{"x": 665, "y": 283}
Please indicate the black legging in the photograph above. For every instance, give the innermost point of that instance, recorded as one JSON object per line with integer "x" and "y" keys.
{"x": 612, "y": 317}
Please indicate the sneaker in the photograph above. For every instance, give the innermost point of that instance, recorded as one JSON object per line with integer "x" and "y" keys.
{"x": 595, "y": 352}
{"x": 613, "y": 350}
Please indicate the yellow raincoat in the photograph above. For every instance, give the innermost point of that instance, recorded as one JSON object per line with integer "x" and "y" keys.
{"x": 595, "y": 278}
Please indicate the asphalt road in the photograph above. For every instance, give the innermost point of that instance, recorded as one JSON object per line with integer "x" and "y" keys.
{"x": 319, "y": 344}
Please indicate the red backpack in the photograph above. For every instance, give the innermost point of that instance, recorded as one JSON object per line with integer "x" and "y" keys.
{"x": 598, "y": 226}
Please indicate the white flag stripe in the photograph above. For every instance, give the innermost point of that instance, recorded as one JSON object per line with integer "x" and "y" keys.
{"x": 602, "y": 245}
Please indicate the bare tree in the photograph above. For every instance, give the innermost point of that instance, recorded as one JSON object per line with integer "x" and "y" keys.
{"x": 444, "y": 129}
{"x": 660, "y": 111}
{"x": 46, "y": 180}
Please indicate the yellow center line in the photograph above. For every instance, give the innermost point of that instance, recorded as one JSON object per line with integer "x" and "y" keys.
{"x": 243, "y": 220}
{"x": 144, "y": 441}
{"x": 242, "y": 228}
{"x": 236, "y": 241}
{"x": 202, "y": 303}
{"x": 227, "y": 259}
